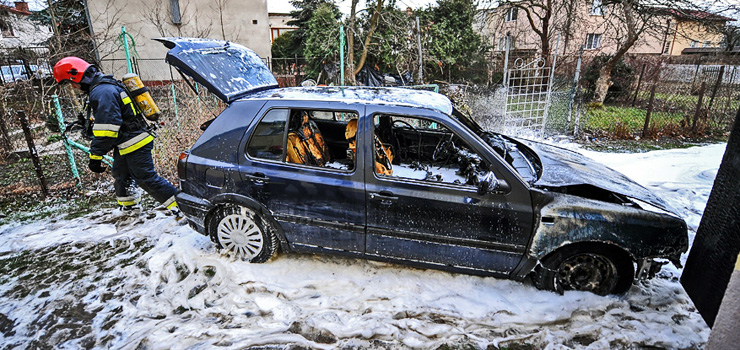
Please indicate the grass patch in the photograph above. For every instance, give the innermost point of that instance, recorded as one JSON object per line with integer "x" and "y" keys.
{"x": 609, "y": 117}
{"x": 33, "y": 208}
{"x": 688, "y": 102}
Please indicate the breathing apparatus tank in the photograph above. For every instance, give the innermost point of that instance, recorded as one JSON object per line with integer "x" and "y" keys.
{"x": 141, "y": 96}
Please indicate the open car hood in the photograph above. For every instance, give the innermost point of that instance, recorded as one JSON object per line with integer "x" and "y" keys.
{"x": 562, "y": 167}
{"x": 226, "y": 69}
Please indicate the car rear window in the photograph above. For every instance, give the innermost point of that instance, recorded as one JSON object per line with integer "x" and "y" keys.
{"x": 267, "y": 138}
{"x": 306, "y": 137}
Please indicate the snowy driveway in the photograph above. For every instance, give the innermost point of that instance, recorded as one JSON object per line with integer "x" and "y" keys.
{"x": 98, "y": 282}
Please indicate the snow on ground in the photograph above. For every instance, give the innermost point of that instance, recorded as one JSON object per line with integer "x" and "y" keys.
{"x": 145, "y": 282}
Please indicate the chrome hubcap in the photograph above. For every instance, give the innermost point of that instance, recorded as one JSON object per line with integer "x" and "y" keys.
{"x": 240, "y": 235}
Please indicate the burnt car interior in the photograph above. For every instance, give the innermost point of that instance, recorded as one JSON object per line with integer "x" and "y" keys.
{"x": 425, "y": 150}
{"x": 314, "y": 138}
{"x": 405, "y": 147}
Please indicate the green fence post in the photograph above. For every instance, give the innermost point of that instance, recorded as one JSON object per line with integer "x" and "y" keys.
{"x": 174, "y": 102}
{"x": 341, "y": 55}
{"x": 106, "y": 159}
{"x": 68, "y": 149}
{"x": 125, "y": 46}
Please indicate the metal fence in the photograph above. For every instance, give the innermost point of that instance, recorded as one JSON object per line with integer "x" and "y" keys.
{"x": 661, "y": 98}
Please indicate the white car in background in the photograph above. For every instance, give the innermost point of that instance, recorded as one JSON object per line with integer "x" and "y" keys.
{"x": 17, "y": 72}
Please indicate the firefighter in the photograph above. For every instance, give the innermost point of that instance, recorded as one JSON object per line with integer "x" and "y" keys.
{"x": 120, "y": 128}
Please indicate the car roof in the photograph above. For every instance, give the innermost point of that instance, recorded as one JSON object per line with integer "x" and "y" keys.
{"x": 363, "y": 95}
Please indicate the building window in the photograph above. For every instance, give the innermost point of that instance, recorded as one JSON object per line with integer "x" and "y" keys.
{"x": 694, "y": 43}
{"x": 511, "y": 14}
{"x": 596, "y": 9}
{"x": 254, "y": 21}
{"x": 6, "y": 29}
{"x": 175, "y": 9}
{"x": 706, "y": 43}
{"x": 276, "y": 32}
{"x": 593, "y": 41}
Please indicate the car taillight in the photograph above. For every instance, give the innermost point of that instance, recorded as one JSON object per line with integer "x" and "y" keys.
{"x": 181, "y": 162}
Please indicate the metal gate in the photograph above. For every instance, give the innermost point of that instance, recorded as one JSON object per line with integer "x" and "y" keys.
{"x": 528, "y": 92}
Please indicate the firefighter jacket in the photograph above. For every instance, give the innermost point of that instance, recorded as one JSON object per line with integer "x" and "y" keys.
{"x": 117, "y": 123}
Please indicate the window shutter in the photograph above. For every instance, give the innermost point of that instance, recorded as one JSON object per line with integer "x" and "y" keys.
{"x": 175, "y": 7}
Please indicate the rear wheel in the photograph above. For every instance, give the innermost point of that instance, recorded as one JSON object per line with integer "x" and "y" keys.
{"x": 242, "y": 233}
{"x": 597, "y": 270}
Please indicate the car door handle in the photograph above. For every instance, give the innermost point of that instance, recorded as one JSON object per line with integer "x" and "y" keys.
{"x": 258, "y": 178}
{"x": 384, "y": 197}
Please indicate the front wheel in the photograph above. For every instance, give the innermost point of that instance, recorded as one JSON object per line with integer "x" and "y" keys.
{"x": 596, "y": 270}
{"x": 242, "y": 233}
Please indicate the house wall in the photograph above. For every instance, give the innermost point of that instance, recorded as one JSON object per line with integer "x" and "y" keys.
{"x": 241, "y": 21}
{"x": 689, "y": 31}
{"x": 279, "y": 24}
{"x": 525, "y": 38}
{"x": 651, "y": 42}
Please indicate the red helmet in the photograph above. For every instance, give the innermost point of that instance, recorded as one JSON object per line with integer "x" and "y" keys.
{"x": 70, "y": 68}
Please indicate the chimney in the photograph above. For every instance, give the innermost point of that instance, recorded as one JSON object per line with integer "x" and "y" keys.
{"x": 21, "y": 6}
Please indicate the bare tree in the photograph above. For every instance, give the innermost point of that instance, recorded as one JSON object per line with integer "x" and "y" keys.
{"x": 544, "y": 18}
{"x": 368, "y": 37}
{"x": 220, "y": 6}
{"x": 633, "y": 21}
{"x": 350, "y": 69}
{"x": 156, "y": 13}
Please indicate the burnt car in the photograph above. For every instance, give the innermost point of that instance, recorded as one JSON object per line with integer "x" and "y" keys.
{"x": 401, "y": 176}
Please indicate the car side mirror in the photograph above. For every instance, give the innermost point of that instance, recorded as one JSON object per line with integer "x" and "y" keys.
{"x": 491, "y": 184}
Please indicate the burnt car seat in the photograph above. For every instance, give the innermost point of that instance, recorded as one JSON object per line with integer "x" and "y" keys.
{"x": 383, "y": 154}
{"x": 306, "y": 145}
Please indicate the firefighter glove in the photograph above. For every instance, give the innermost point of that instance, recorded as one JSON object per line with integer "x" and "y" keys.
{"x": 96, "y": 166}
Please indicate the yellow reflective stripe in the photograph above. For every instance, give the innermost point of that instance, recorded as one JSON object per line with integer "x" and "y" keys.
{"x": 131, "y": 200}
{"x": 92, "y": 156}
{"x": 170, "y": 203}
{"x": 110, "y": 127}
{"x": 136, "y": 145}
{"x": 105, "y": 133}
{"x": 127, "y": 100}
{"x": 133, "y": 140}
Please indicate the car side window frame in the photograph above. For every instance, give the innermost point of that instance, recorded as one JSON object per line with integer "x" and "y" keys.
{"x": 418, "y": 181}
{"x": 499, "y": 167}
{"x": 291, "y": 108}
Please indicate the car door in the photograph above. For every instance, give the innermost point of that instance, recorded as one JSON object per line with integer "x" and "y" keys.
{"x": 318, "y": 207}
{"x": 436, "y": 222}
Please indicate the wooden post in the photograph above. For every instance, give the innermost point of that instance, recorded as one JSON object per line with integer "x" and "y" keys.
{"x": 716, "y": 87}
{"x": 639, "y": 82}
{"x": 33, "y": 152}
{"x": 646, "y": 127}
{"x": 699, "y": 104}
{"x": 4, "y": 138}
{"x": 696, "y": 74}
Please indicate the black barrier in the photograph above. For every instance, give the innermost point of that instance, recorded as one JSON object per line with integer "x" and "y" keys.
{"x": 717, "y": 243}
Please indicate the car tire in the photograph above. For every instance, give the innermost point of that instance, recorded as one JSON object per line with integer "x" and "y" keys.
{"x": 242, "y": 233}
{"x": 600, "y": 270}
